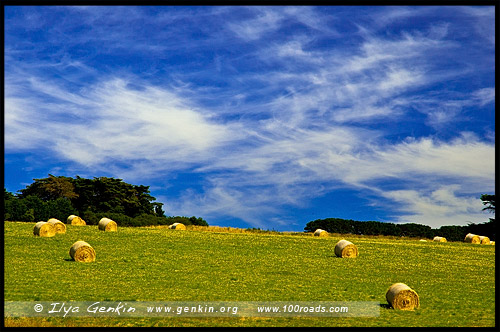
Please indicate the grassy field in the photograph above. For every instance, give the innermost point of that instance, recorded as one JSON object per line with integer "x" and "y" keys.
{"x": 455, "y": 281}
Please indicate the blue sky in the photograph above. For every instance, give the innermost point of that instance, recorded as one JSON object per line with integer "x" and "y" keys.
{"x": 264, "y": 117}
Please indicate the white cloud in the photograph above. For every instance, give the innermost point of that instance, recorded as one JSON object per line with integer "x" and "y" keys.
{"x": 292, "y": 49}
{"x": 443, "y": 110}
{"x": 441, "y": 207}
{"x": 484, "y": 96}
{"x": 465, "y": 160}
{"x": 399, "y": 79}
{"x": 310, "y": 17}
{"x": 22, "y": 126}
{"x": 112, "y": 121}
{"x": 265, "y": 21}
{"x": 484, "y": 26}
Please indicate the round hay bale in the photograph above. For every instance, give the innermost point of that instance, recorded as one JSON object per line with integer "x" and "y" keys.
{"x": 484, "y": 240}
{"x": 75, "y": 220}
{"x": 177, "y": 225}
{"x": 472, "y": 238}
{"x": 44, "y": 229}
{"x": 422, "y": 240}
{"x": 347, "y": 249}
{"x": 320, "y": 233}
{"x": 107, "y": 225}
{"x": 59, "y": 227}
{"x": 402, "y": 297}
{"x": 81, "y": 251}
{"x": 439, "y": 239}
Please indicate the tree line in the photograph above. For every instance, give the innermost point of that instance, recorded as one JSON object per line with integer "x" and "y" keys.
{"x": 451, "y": 233}
{"x": 91, "y": 199}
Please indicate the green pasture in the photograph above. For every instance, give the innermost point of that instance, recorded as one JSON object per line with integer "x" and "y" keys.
{"x": 455, "y": 281}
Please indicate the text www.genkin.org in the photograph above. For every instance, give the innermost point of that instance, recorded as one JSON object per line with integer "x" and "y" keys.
{"x": 287, "y": 308}
{"x": 196, "y": 309}
{"x": 191, "y": 309}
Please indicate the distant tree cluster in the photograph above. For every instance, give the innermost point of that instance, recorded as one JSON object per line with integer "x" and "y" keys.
{"x": 451, "y": 233}
{"x": 60, "y": 196}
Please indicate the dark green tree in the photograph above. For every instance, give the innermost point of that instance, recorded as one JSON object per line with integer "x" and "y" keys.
{"x": 8, "y": 195}
{"x": 60, "y": 209}
{"x": 158, "y": 209}
{"x": 198, "y": 221}
{"x": 415, "y": 230}
{"x": 92, "y": 199}
{"x": 115, "y": 196}
{"x": 15, "y": 210}
{"x": 489, "y": 201}
{"x": 41, "y": 209}
{"x": 100, "y": 194}
{"x": 50, "y": 188}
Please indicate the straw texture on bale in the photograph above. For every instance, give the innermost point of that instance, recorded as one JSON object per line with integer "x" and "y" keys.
{"x": 107, "y": 225}
{"x": 58, "y": 225}
{"x": 177, "y": 225}
{"x": 75, "y": 220}
{"x": 83, "y": 252}
{"x": 439, "y": 239}
{"x": 472, "y": 238}
{"x": 44, "y": 229}
{"x": 347, "y": 249}
{"x": 402, "y": 297}
{"x": 484, "y": 240}
{"x": 320, "y": 233}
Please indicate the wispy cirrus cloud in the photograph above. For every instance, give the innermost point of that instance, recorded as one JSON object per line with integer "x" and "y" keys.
{"x": 113, "y": 121}
{"x": 443, "y": 206}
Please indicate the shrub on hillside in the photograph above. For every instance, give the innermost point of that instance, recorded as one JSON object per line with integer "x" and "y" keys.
{"x": 149, "y": 220}
{"x": 187, "y": 221}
